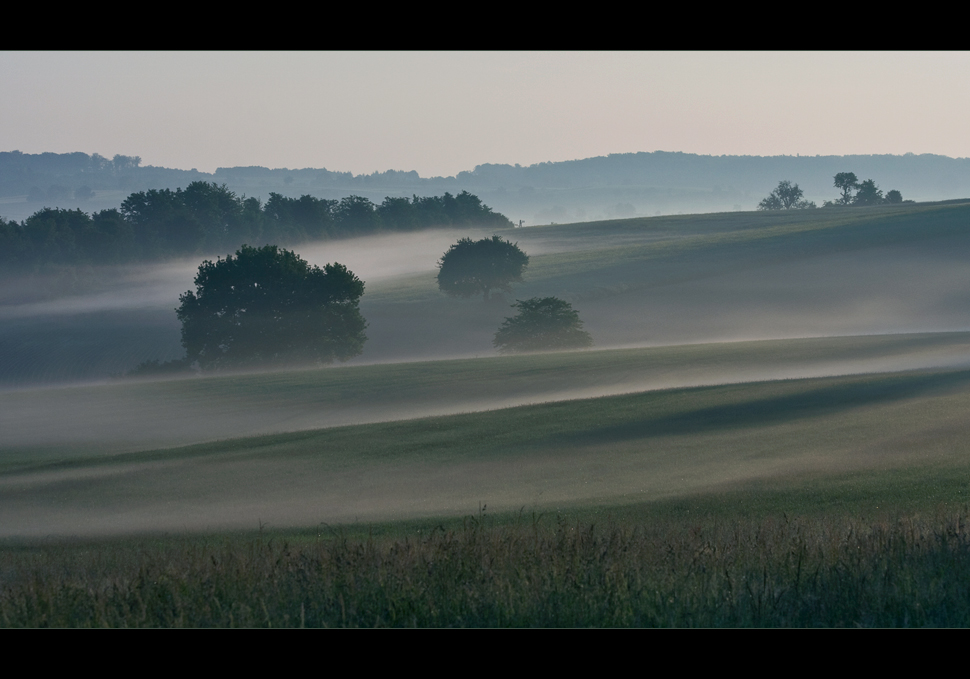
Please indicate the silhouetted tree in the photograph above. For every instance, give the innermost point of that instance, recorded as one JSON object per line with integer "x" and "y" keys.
{"x": 267, "y": 305}
{"x": 894, "y": 196}
{"x": 477, "y": 267}
{"x": 542, "y": 324}
{"x": 869, "y": 194}
{"x": 846, "y": 182}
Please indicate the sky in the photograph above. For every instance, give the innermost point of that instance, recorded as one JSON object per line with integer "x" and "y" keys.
{"x": 443, "y": 112}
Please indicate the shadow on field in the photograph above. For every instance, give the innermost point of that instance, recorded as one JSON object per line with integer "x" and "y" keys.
{"x": 838, "y": 395}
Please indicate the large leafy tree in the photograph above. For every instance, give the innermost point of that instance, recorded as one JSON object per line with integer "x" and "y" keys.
{"x": 267, "y": 305}
{"x": 542, "y": 324}
{"x": 477, "y": 267}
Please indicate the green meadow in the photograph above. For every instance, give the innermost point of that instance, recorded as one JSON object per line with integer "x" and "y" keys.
{"x": 770, "y": 431}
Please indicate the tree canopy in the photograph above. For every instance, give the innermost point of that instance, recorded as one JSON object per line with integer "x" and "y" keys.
{"x": 542, "y": 324}
{"x": 868, "y": 194}
{"x": 477, "y": 267}
{"x": 846, "y": 182}
{"x": 267, "y": 305}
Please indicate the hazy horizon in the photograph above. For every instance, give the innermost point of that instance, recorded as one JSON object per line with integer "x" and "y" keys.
{"x": 440, "y": 113}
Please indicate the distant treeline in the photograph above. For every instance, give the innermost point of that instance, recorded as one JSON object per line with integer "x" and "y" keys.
{"x": 61, "y": 176}
{"x": 206, "y": 218}
{"x": 53, "y": 176}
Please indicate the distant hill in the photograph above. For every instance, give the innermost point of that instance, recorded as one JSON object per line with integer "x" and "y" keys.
{"x": 617, "y": 185}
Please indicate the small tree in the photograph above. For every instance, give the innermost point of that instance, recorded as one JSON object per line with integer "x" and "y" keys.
{"x": 785, "y": 197}
{"x": 478, "y": 267}
{"x": 846, "y": 182}
{"x": 894, "y": 196}
{"x": 267, "y": 305}
{"x": 542, "y": 324}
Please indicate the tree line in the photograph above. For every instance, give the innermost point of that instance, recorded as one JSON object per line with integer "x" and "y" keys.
{"x": 788, "y": 196}
{"x": 205, "y": 218}
{"x": 867, "y": 193}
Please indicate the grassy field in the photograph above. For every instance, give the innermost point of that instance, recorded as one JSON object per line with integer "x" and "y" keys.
{"x": 772, "y": 431}
{"x": 124, "y": 416}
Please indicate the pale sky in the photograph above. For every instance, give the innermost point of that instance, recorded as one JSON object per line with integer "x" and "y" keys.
{"x": 443, "y": 112}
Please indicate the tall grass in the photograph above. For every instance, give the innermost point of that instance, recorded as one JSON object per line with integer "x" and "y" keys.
{"x": 535, "y": 572}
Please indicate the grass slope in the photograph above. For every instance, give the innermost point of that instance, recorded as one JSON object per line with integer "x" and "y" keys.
{"x": 705, "y": 278}
{"x": 60, "y": 423}
{"x": 659, "y": 250}
{"x": 613, "y": 450}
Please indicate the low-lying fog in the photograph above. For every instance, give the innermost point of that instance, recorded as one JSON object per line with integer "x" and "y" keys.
{"x": 698, "y": 447}
{"x": 130, "y": 416}
{"x": 126, "y": 315}
{"x": 374, "y": 258}
{"x": 129, "y": 317}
